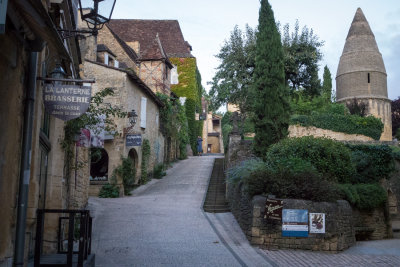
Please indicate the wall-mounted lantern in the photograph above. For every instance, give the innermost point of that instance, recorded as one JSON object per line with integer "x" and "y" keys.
{"x": 95, "y": 13}
{"x": 100, "y": 12}
{"x": 132, "y": 117}
{"x": 58, "y": 72}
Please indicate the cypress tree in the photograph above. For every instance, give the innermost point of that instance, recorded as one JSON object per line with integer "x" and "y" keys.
{"x": 270, "y": 95}
{"x": 327, "y": 83}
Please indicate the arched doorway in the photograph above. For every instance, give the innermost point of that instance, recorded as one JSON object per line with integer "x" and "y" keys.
{"x": 133, "y": 155}
{"x": 98, "y": 164}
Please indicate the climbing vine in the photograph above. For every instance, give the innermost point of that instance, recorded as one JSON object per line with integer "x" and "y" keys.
{"x": 174, "y": 123}
{"x": 145, "y": 161}
{"x": 189, "y": 87}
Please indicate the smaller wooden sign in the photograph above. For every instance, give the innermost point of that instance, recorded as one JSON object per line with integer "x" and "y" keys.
{"x": 273, "y": 209}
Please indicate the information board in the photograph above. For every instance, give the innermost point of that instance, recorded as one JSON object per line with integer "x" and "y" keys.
{"x": 295, "y": 222}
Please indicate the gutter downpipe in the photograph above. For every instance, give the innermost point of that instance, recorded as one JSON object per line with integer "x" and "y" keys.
{"x": 25, "y": 168}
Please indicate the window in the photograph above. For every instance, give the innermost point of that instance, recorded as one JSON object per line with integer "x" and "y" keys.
{"x": 143, "y": 112}
{"x": 369, "y": 79}
{"x": 174, "y": 75}
{"x": 106, "y": 58}
{"x": 98, "y": 164}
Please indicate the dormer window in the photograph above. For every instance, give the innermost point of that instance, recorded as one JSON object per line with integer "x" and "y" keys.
{"x": 105, "y": 56}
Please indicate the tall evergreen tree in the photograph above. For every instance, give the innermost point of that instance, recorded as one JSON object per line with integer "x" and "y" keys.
{"x": 270, "y": 95}
{"x": 327, "y": 83}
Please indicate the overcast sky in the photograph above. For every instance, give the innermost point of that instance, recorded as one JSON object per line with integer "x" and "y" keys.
{"x": 207, "y": 23}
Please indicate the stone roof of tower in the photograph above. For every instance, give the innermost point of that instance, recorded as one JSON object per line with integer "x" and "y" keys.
{"x": 360, "y": 52}
{"x": 144, "y": 31}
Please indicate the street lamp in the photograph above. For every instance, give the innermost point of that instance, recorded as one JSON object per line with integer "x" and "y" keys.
{"x": 97, "y": 15}
{"x": 132, "y": 117}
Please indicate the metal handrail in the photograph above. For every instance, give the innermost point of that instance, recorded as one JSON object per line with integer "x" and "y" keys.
{"x": 85, "y": 234}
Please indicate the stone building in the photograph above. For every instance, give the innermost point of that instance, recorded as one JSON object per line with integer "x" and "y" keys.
{"x": 212, "y": 130}
{"x": 163, "y": 61}
{"x": 130, "y": 93}
{"x": 362, "y": 75}
{"x": 114, "y": 63}
{"x": 32, "y": 160}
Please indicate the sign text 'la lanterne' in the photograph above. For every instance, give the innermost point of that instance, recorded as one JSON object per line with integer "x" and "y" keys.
{"x": 66, "y": 102}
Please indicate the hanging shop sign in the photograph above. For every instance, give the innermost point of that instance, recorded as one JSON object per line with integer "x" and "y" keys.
{"x": 295, "y": 223}
{"x": 133, "y": 140}
{"x": 317, "y": 223}
{"x": 66, "y": 102}
{"x": 273, "y": 209}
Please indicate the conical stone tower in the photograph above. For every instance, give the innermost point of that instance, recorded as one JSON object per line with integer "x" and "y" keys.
{"x": 362, "y": 75}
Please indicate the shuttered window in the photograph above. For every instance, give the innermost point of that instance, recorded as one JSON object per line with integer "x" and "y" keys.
{"x": 143, "y": 107}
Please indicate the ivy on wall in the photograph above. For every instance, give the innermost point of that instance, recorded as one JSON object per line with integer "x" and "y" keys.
{"x": 188, "y": 87}
{"x": 145, "y": 161}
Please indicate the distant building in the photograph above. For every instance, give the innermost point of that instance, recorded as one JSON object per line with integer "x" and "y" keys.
{"x": 362, "y": 75}
{"x": 212, "y": 130}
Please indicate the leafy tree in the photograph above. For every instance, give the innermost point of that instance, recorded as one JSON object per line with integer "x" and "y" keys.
{"x": 234, "y": 74}
{"x": 301, "y": 51}
{"x": 271, "y": 108}
{"x": 396, "y": 117}
{"x": 327, "y": 83}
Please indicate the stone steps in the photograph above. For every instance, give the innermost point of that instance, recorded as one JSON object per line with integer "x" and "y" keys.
{"x": 215, "y": 199}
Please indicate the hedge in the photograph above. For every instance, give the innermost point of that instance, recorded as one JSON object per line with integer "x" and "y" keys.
{"x": 364, "y": 196}
{"x": 351, "y": 124}
{"x": 373, "y": 162}
{"x": 330, "y": 158}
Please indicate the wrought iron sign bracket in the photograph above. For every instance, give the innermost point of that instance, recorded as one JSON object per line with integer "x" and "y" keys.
{"x": 64, "y": 80}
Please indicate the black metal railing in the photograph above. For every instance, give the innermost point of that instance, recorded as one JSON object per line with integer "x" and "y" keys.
{"x": 79, "y": 229}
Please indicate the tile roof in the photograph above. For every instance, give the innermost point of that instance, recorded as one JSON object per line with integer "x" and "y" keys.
{"x": 145, "y": 31}
{"x": 131, "y": 53}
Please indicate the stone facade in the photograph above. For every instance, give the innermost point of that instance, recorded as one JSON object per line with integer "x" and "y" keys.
{"x": 48, "y": 182}
{"x": 212, "y": 134}
{"x": 128, "y": 95}
{"x": 299, "y": 131}
{"x": 362, "y": 75}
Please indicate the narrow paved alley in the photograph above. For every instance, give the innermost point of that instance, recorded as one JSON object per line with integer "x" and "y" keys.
{"x": 163, "y": 224}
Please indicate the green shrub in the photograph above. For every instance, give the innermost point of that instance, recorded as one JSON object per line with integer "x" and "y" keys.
{"x": 364, "y": 196}
{"x": 244, "y": 169}
{"x": 351, "y": 124}
{"x": 109, "y": 191}
{"x": 329, "y": 158}
{"x": 127, "y": 172}
{"x": 145, "y": 161}
{"x": 373, "y": 162}
{"x": 158, "y": 171}
{"x": 289, "y": 178}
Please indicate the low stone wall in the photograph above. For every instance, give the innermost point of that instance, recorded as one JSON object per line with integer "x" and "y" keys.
{"x": 238, "y": 150}
{"x": 300, "y": 131}
{"x": 371, "y": 225}
{"x": 340, "y": 233}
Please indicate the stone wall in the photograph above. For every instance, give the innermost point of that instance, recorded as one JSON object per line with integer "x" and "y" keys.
{"x": 300, "y": 131}
{"x": 238, "y": 150}
{"x": 371, "y": 225}
{"x": 249, "y": 213}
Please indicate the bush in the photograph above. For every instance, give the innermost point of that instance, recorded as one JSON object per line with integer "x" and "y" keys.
{"x": 109, "y": 191}
{"x": 350, "y": 124}
{"x": 127, "y": 172}
{"x": 329, "y": 158}
{"x": 290, "y": 178}
{"x": 158, "y": 171}
{"x": 373, "y": 162}
{"x": 364, "y": 196}
{"x": 145, "y": 161}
